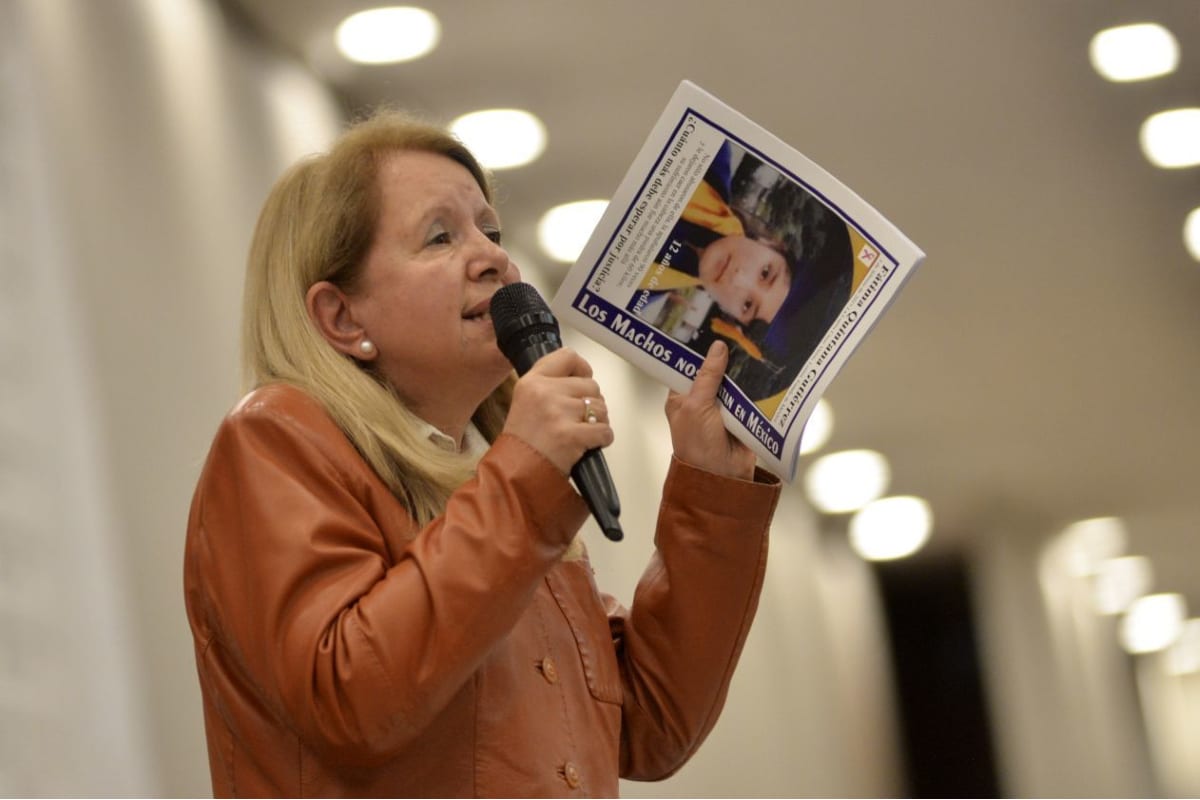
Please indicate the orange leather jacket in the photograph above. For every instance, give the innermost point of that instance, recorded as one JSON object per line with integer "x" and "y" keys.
{"x": 341, "y": 651}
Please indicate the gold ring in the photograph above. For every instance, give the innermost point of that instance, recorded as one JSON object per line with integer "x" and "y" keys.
{"x": 589, "y": 416}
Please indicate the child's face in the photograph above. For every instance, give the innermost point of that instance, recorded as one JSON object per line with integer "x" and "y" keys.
{"x": 747, "y": 279}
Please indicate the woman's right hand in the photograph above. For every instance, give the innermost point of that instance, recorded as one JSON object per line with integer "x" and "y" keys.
{"x": 548, "y": 409}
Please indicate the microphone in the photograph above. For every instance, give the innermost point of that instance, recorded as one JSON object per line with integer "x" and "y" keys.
{"x": 526, "y": 330}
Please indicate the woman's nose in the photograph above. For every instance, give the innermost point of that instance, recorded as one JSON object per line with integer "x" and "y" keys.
{"x": 487, "y": 257}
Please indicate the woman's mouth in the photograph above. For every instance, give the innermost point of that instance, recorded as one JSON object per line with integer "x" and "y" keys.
{"x": 480, "y": 312}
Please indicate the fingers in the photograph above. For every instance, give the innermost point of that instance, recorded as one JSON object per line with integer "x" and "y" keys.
{"x": 594, "y": 410}
{"x": 582, "y": 416}
{"x": 562, "y": 363}
{"x": 708, "y": 377}
{"x": 698, "y": 432}
{"x": 558, "y": 408}
{"x": 578, "y": 390}
{"x": 573, "y": 376}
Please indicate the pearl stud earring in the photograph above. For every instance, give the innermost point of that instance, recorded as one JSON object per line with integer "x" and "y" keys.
{"x": 367, "y": 347}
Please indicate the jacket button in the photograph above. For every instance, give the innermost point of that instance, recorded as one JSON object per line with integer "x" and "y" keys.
{"x": 571, "y": 774}
{"x": 549, "y": 671}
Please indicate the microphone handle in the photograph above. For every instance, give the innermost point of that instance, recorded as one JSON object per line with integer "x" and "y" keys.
{"x": 592, "y": 478}
{"x": 590, "y": 473}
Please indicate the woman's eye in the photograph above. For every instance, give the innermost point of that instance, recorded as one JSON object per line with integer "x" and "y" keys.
{"x": 438, "y": 237}
{"x": 494, "y": 235}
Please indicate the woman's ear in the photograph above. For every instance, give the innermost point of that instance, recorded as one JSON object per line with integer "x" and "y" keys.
{"x": 329, "y": 309}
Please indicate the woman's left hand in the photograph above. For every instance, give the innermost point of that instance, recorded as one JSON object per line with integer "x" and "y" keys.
{"x": 697, "y": 431}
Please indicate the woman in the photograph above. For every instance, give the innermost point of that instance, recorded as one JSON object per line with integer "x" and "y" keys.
{"x": 382, "y": 576}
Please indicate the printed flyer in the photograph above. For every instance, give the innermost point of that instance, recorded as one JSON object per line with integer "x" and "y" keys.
{"x": 721, "y": 230}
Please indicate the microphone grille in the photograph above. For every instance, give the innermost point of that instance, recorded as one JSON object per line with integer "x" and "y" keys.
{"x": 518, "y": 310}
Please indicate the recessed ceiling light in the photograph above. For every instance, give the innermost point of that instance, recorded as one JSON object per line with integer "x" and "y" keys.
{"x": 1191, "y": 233}
{"x": 817, "y": 429}
{"x": 1089, "y": 542}
{"x": 1134, "y": 52}
{"x": 1184, "y": 656}
{"x": 388, "y": 35}
{"x": 846, "y": 481}
{"x": 1121, "y": 581}
{"x": 1172, "y": 138}
{"x": 501, "y": 138}
{"x": 890, "y": 528}
{"x": 1153, "y": 623}
{"x": 564, "y": 230}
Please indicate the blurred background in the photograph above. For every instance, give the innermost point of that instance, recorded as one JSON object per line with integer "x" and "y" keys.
{"x": 1034, "y": 387}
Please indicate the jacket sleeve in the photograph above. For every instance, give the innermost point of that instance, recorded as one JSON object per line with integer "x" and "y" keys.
{"x": 354, "y": 647}
{"x": 678, "y": 645}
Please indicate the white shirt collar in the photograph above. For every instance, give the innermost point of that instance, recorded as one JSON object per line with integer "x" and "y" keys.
{"x": 474, "y": 444}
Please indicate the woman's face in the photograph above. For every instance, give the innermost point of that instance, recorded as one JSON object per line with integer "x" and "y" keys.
{"x": 424, "y": 293}
{"x": 747, "y": 279}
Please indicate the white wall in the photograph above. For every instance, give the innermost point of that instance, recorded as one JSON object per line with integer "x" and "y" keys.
{"x": 1172, "y": 708}
{"x": 138, "y": 140}
{"x": 1062, "y": 692}
{"x": 61, "y": 598}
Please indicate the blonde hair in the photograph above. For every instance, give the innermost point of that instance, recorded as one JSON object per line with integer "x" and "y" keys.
{"x": 318, "y": 224}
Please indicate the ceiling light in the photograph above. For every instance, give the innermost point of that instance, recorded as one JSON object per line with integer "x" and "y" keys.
{"x": 1090, "y": 542}
{"x": 388, "y": 35}
{"x": 1172, "y": 138}
{"x": 817, "y": 429}
{"x": 1121, "y": 581}
{"x": 1183, "y": 657}
{"x": 1191, "y": 233}
{"x": 1153, "y": 623}
{"x": 1134, "y": 52}
{"x": 564, "y": 230}
{"x": 893, "y": 527}
{"x": 846, "y": 481}
{"x": 501, "y": 138}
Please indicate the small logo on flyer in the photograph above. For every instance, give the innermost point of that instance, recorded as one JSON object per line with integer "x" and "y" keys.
{"x": 868, "y": 255}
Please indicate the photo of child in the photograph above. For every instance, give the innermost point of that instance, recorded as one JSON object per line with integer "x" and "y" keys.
{"x": 757, "y": 260}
